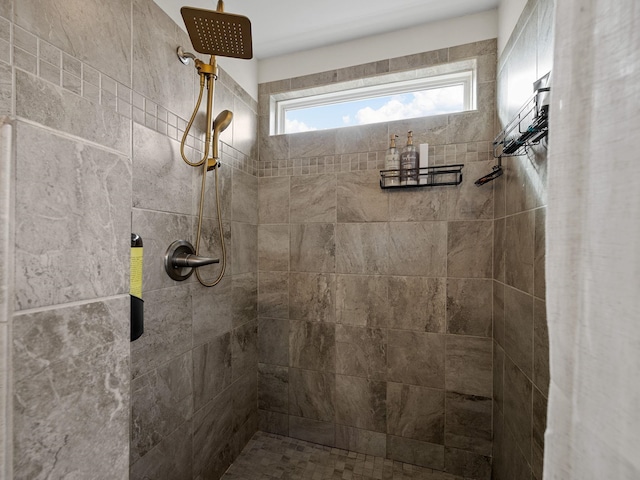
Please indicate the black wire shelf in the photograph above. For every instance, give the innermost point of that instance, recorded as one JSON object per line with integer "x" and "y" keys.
{"x": 436, "y": 176}
{"x": 529, "y": 127}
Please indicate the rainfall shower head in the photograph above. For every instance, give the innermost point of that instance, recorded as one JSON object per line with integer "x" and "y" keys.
{"x": 214, "y": 32}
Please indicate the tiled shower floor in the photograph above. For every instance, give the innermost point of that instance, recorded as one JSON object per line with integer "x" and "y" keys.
{"x": 273, "y": 456}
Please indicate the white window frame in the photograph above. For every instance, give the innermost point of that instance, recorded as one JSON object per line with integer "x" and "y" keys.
{"x": 464, "y": 73}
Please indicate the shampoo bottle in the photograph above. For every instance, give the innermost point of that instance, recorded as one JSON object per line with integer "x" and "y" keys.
{"x": 392, "y": 162}
{"x": 409, "y": 163}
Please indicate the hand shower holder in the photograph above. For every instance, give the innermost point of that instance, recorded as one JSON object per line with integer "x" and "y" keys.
{"x": 180, "y": 256}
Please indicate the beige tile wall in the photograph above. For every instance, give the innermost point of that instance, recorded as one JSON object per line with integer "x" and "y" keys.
{"x": 521, "y": 344}
{"x": 374, "y": 305}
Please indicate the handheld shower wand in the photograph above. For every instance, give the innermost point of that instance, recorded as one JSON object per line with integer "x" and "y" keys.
{"x": 220, "y": 124}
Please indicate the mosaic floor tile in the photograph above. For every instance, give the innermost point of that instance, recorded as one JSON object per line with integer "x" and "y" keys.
{"x": 269, "y": 456}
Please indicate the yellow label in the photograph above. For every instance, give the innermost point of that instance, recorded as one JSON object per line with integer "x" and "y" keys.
{"x": 135, "y": 287}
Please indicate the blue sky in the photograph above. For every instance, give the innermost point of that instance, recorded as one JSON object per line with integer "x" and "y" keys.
{"x": 380, "y": 109}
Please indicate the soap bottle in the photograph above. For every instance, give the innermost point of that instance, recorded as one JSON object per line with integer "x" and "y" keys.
{"x": 409, "y": 162}
{"x": 392, "y": 162}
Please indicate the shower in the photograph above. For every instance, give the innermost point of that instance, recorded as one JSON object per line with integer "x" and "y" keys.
{"x": 213, "y": 33}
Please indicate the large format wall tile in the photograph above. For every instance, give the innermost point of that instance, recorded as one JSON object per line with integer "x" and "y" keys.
{"x": 361, "y": 352}
{"x": 72, "y": 359}
{"x": 360, "y": 199}
{"x": 273, "y": 341}
{"x": 312, "y": 248}
{"x": 169, "y": 460}
{"x": 312, "y": 297}
{"x": 245, "y": 198}
{"x": 212, "y": 432}
{"x": 313, "y": 144}
{"x": 244, "y": 350}
{"x": 54, "y": 107}
{"x": 539, "y": 425}
{"x": 157, "y": 72}
{"x": 519, "y": 328}
{"x": 312, "y": 346}
{"x": 468, "y": 202}
{"x": 469, "y": 365}
{"x": 362, "y": 300}
{"x": 273, "y": 296}
{"x": 468, "y": 423}
{"x": 416, "y": 358}
{"x": 519, "y": 251}
{"x": 73, "y": 203}
{"x": 273, "y": 388}
{"x": 358, "y": 440}
{"x": 161, "y": 180}
{"x": 98, "y": 33}
{"x": 162, "y": 400}
{"x": 415, "y": 412}
{"x": 540, "y": 347}
{"x": 273, "y": 247}
{"x": 362, "y": 248}
{"x": 418, "y": 249}
{"x": 167, "y": 329}
{"x": 469, "y": 254}
{"x": 411, "y": 205}
{"x": 312, "y": 394}
{"x": 313, "y": 199}
{"x": 469, "y": 306}
{"x": 323, "y": 433}
{"x": 417, "y": 303}
{"x": 6, "y": 89}
{"x": 211, "y": 369}
{"x": 244, "y": 253}
{"x": 212, "y": 311}
{"x": 518, "y": 393}
{"x": 467, "y": 464}
{"x": 244, "y": 391}
{"x": 361, "y": 403}
{"x": 273, "y": 200}
{"x": 244, "y": 298}
{"x": 539, "y": 274}
{"x": 416, "y": 452}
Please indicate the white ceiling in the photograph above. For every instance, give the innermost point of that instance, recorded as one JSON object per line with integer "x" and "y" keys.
{"x": 286, "y": 26}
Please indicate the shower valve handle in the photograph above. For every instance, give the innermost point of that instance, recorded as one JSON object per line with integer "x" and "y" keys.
{"x": 193, "y": 261}
{"x": 180, "y": 260}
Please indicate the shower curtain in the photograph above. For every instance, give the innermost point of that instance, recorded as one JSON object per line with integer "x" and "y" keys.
{"x": 593, "y": 243}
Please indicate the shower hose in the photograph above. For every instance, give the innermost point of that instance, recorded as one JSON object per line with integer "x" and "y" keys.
{"x": 209, "y": 79}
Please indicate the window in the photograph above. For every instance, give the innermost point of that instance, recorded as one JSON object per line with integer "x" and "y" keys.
{"x": 436, "y": 90}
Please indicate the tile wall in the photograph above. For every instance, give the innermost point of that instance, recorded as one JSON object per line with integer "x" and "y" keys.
{"x": 375, "y": 306}
{"x": 97, "y": 102}
{"x": 521, "y": 343}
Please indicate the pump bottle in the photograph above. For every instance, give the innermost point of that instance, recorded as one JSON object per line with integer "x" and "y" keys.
{"x": 409, "y": 162}
{"x": 392, "y": 162}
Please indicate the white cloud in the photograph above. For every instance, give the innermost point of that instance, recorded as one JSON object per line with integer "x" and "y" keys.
{"x": 346, "y": 119}
{"x": 419, "y": 104}
{"x": 296, "y": 126}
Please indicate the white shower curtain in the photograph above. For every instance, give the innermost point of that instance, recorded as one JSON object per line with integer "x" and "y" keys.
{"x": 593, "y": 243}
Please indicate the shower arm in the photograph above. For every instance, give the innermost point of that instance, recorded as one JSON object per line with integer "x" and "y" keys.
{"x": 208, "y": 74}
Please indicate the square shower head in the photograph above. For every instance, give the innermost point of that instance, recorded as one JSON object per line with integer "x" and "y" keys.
{"x": 218, "y": 33}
